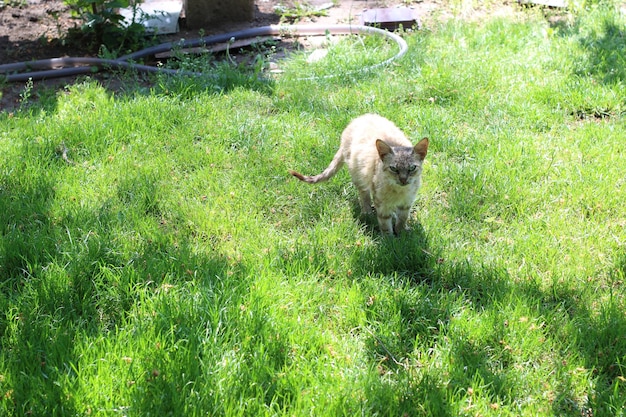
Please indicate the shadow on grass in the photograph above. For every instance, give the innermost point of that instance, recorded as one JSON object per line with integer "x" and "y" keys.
{"x": 603, "y": 47}
{"x": 605, "y": 52}
{"x": 26, "y": 241}
{"x": 69, "y": 282}
{"x": 410, "y": 312}
{"x": 419, "y": 294}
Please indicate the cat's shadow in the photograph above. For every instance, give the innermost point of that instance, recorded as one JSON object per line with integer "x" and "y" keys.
{"x": 407, "y": 254}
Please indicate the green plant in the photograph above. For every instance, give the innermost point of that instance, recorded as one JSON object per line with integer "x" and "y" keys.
{"x": 12, "y": 3}
{"x": 231, "y": 69}
{"x": 104, "y": 27}
{"x": 26, "y": 93}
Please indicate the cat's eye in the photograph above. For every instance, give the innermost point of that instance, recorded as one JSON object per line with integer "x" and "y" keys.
{"x": 412, "y": 168}
{"x": 393, "y": 169}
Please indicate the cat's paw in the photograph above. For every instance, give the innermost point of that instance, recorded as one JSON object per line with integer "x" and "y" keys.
{"x": 399, "y": 230}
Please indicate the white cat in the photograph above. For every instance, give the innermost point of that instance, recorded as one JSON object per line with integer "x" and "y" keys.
{"x": 385, "y": 168}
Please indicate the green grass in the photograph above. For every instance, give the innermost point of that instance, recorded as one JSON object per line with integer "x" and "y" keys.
{"x": 157, "y": 259}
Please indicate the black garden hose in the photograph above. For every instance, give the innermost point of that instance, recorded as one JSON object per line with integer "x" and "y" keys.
{"x": 62, "y": 67}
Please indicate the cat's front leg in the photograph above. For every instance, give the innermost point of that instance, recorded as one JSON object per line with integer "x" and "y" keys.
{"x": 385, "y": 221}
{"x": 366, "y": 201}
{"x": 402, "y": 216}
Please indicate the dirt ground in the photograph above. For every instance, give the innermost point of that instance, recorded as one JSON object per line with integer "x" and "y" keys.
{"x": 35, "y": 29}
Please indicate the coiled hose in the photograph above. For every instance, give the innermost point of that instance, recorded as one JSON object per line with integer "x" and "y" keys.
{"x": 63, "y": 67}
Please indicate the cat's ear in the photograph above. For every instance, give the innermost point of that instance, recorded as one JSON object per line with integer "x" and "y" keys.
{"x": 383, "y": 148}
{"x": 421, "y": 148}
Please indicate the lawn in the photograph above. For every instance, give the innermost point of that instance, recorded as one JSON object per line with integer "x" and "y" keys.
{"x": 156, "y": 258}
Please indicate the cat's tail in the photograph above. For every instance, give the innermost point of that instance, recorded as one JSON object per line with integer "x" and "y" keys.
{"x": 331, "y": 170}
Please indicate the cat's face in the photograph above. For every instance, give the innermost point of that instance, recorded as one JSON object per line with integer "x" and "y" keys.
{"x": 402, "y": 164}
{"x": 403, "y": 168}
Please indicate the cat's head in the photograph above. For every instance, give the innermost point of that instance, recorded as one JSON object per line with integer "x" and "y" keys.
{"x": 403, "y": 163}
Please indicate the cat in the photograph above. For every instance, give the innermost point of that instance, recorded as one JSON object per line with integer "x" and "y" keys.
{"x": 385, "y": 168}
